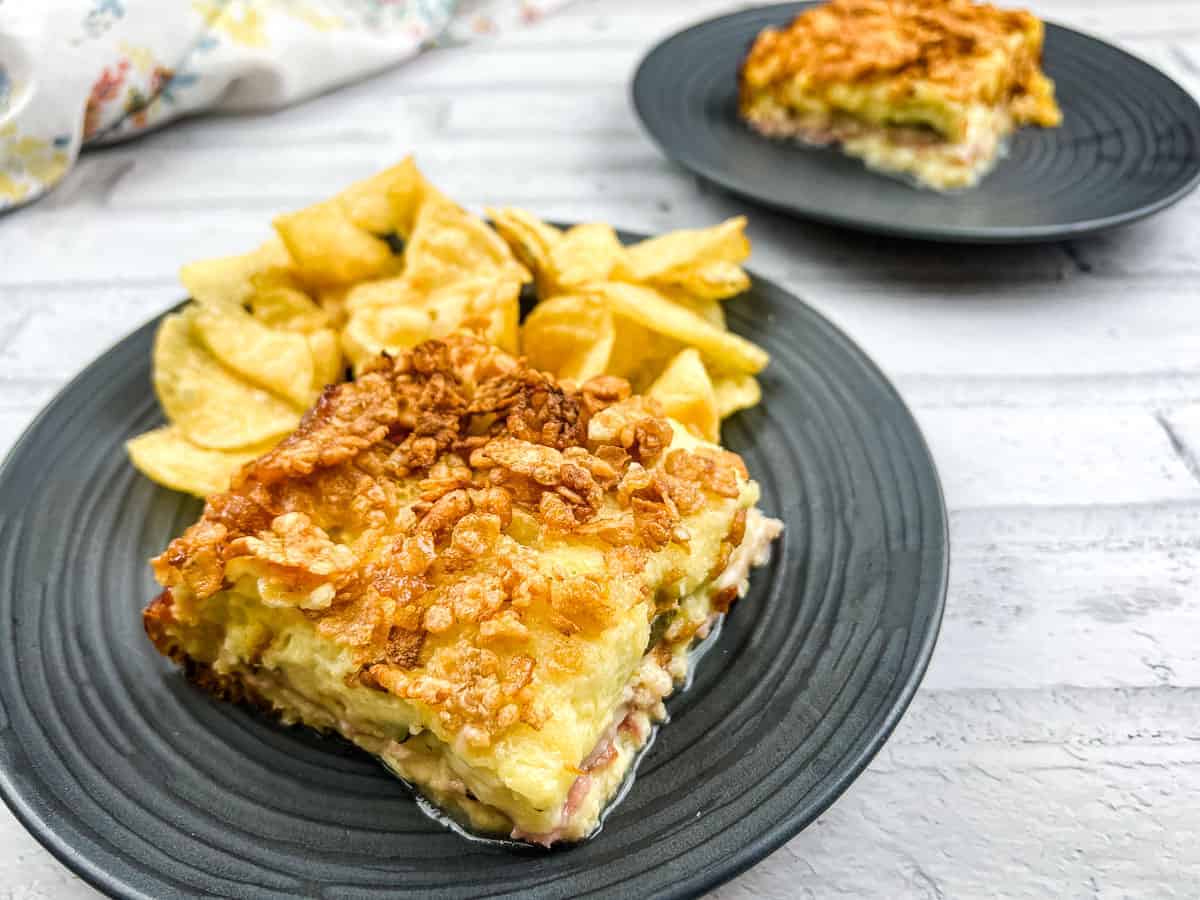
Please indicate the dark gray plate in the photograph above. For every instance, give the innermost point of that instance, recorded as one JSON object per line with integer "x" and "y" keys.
{"x": 1129, "y": 145}
{"x": 146, "y": 787}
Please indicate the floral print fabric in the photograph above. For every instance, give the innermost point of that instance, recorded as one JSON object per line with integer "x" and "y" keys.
{"x": 81, "y": 72}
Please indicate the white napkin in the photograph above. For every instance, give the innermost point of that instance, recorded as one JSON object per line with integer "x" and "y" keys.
{"x": 81, "y": 72}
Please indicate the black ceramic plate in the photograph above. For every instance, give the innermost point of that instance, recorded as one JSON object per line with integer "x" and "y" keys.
{"x": 146, "y": 787}
{"x": 1129, "y": 145}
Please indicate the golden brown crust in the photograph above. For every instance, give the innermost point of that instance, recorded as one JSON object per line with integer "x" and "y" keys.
{"x": 950, "y": 46}
{"x": 406, "y": 517}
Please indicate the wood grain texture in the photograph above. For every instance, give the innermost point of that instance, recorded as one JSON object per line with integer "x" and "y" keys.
{"x": 1057, "y": 735}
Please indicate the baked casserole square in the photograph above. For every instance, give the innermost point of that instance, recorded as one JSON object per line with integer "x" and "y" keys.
{"x": 928, "y": 89}
{"x": 485, "y": 577}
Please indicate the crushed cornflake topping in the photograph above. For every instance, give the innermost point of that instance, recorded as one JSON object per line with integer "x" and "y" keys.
{"x": 938, "y": 42}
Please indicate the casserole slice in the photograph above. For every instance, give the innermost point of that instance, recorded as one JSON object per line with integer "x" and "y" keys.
{"x": 928, "y": 89}
{"x": 486, "y": 578}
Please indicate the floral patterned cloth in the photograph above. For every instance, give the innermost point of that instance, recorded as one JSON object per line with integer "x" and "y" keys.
{"x": 79, "y": 72}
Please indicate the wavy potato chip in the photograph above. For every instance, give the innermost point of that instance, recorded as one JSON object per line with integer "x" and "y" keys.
{"x": 504, "y": 320}
{"x": 448, "y": 243}
{"x": 329, "y": 249}
{"x": 333, "y": 301}
{"x": 570, "y": 336}
{"x": 500, "y": 305}
{"x": 212, "y": 406}
{"x": 382, "y": 292}
{"x": 326, "y": 351}
{"x": 279, "y": 305}
{"x": 385, "y": 202}
{"x": 530, "y": 239}
{"x": 271, "y": 358}
{"x": 655, "y": 312}
{"x": 487, "y": 306}
{"x": 167, "y": 457}
{"x": 735, "y": 393}
{"x": 584, "y": 254}
{"x": 716, "y": 280}
{"x": 407, "y": 191}
{"x": 229, "y": 279}
{"x": 709, "y": 310}
{"x": 655, "y": 257}
{"x": 639, "y": 354}
{"x": 686, "y": 393}
{"x": 379, "y": 329}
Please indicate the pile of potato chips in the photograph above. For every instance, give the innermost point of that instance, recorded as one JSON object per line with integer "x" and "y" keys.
{"x": 649, "y": 312}
{"x": 390, "y": 262}
{"x": 232, "y": 382}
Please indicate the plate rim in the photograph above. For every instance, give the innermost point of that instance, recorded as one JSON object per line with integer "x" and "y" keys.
{"x": 750, "y": 853}
{"x": 776, "y": 836}
{"x": 1007, "y": 234}
{"x": 42, "y": 831}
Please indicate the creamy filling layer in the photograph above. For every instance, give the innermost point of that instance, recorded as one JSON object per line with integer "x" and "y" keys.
{"x": 913, "y": 150}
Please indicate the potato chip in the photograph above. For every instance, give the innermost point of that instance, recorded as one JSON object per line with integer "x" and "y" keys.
{"x": 570, "y": 336}
{"x": 584, "y": 254}
{"x": 277, "y": 360}
{"x": 689, "y": 248}
{"x": 212, "y": 406}
{"x": 529, "y": 238}
{"x": 278, "y": 305}
{"x": 228, "y": 279}
{"x": 377, "y": 329}
{"x": 735, "y": 393}
{"x": 333, "y": 301}
{"x": 386, "y": 202}
{"x": 500, "y": 306}
{"x": 328, "y": 367}
{"x": 329, "y": 249}
{"x": 382, "y": 292}
{"x": 716, "y": 280}
{"x": 167, "y": 457}
{"x": 506, "y": 318}
{"x": 639, "y": 354}
{"x": 709, "y": 310}
{"x": 686, "y": 393}
{"x": 654, "y": 311}
{"x": 448, "y": 243}
{"x": 407, "y": 196}
{"x": 486, "y": 306}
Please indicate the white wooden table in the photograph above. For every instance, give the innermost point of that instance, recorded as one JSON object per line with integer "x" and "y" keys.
{"x": 1054, "y": 749}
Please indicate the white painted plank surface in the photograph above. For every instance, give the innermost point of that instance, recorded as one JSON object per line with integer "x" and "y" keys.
{"x": 1183, "y": 425}
{"x": 1032, "y": 457}
{"x": 1077, "y": 326}
{"x": 1046, "y": 794}
{"x": 1164, "y": 245}
{"x": 1051, "y": 747}
{"x": 59, "y": 331}
{"x": 1042, "y": 616}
